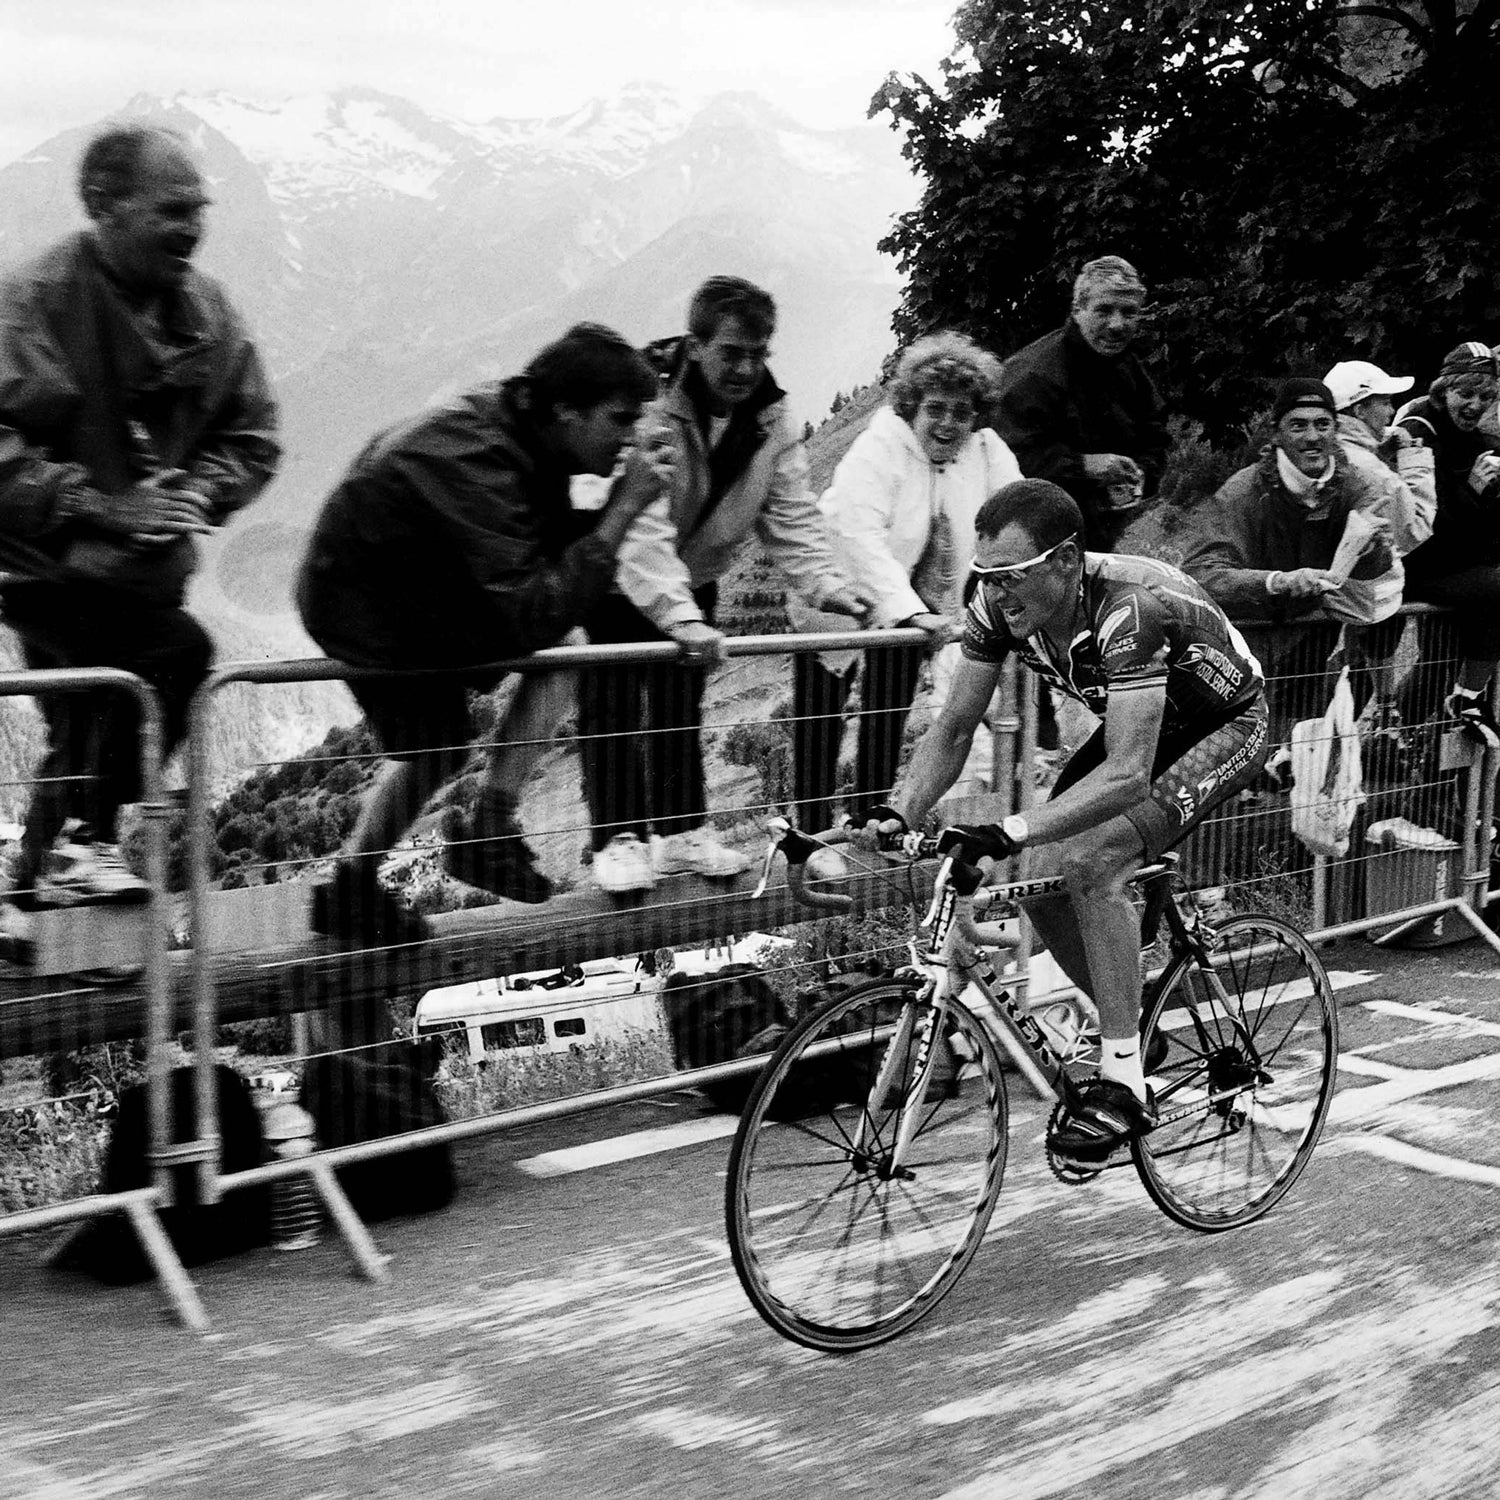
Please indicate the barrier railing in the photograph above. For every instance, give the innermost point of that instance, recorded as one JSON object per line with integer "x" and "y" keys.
{"x": 633, "y": 1032}
{"x": 66, "y": 1025}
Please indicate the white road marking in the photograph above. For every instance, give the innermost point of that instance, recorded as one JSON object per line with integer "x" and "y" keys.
{"x": 1358, "y": 1104}
{"x": 1434, "y": 1162}
{"x": 1352, "y": 1062}
{"x": 627, "y": 1147}
{"x": 1433, "y": 1017}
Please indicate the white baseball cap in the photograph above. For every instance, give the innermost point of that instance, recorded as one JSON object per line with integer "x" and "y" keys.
{"x": 1351, "y": 380}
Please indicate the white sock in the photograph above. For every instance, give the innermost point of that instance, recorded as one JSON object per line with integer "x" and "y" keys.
{"x": 1120, "y": 1060}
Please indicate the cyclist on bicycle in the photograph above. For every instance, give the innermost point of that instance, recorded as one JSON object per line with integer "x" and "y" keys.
{"x": 1183, "y": 706}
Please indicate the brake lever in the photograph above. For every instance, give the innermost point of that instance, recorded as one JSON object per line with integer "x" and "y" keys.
{"x": 798, "y": 847}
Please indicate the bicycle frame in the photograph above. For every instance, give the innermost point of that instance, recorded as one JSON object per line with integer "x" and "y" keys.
{"x": 955, "y": 959}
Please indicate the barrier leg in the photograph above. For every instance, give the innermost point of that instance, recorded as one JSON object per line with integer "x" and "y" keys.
{"x": 1477, "y": 922}
{"x": 368, "y": 1260}
{"x": 169, "y": 1272}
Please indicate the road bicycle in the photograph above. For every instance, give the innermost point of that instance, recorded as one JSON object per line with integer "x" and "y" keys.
{"x": 871, "y": 1150}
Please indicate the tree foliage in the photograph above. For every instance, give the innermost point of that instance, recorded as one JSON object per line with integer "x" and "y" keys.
{"x": 1300, "y": 181}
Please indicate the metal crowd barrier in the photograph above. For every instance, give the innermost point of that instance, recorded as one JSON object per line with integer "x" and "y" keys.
{"x": 68, "y": 1005}
{"x": 252, "y": 957}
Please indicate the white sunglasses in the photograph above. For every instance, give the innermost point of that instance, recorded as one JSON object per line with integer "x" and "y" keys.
{"x": 1016, "y": 572}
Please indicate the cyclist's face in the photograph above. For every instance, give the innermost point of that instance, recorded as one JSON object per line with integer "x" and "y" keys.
{"x": 1041, "y": 594}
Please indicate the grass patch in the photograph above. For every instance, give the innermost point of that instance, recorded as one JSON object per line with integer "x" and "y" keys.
{"x": 53, "y": 1153}
{"x": 507, "y": 1080}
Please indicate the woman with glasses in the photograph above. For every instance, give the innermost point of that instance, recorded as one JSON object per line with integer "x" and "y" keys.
{"x": 901, "y": 506}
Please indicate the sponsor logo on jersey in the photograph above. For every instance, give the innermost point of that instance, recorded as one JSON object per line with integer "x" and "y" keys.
{"x": 1127, "y": 613}
{"x": 1215, "y": 670}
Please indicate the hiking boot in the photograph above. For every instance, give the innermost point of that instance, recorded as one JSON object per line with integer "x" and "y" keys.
{"x": 80, "y": 870}
{"x": 492, "y": 854}
{"x": 1108, "y": 1116}
{"x": 356, "y": 908}
{"x": 624, "y": 864}
{"x": 697, "y": 852}
{"x": 1471, "y": 714}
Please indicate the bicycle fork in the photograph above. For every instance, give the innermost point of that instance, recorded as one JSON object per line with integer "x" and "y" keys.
{"x": 920, "y": 1027}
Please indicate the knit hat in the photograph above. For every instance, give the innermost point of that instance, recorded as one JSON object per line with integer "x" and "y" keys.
{"x": 1471, "y": 358}
{"x": 1302, "y": 390}
{"x": 1352, "y": 380}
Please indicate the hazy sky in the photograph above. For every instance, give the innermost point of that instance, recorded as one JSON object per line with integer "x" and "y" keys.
{"x": 67, "y": 62}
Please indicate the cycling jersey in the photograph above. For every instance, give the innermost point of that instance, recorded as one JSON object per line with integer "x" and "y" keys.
{"x": 1141, "y": 624}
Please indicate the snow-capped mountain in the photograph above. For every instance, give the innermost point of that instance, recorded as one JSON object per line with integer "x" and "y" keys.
{"x": 385, "y": 255}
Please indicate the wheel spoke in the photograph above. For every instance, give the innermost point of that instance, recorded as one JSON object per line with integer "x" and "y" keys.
{"x": 837, "y": 1248}
{"x": 1265, "y": 1077}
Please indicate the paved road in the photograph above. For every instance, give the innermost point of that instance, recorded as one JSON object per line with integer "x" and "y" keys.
{"x": 576, "y": 1330}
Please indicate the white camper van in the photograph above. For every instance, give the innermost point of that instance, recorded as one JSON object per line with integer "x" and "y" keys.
{"x": 546, "y": 1010}
{"x": 556, "y": 1010}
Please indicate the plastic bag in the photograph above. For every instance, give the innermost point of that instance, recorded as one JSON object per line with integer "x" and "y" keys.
{"x": 1328, "y": 784}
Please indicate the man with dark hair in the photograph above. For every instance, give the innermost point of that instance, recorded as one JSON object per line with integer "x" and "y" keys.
{"x": 1267, "y": 545}
{"x": 1184, "y": 727}
{"x": 134, "y": 414}
{"x": 1077, "y": 406}
{"x": 738, "y": 468}
{"x": 452, "y": 542}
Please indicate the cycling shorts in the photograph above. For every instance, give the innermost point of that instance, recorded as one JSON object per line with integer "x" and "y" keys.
{"x": 1189, "y": 777}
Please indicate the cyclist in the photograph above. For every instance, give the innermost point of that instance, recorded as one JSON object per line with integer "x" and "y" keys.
{"x": 1183, "y": 710}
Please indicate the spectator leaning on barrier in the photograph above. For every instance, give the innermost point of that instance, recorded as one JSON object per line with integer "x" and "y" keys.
{"x": 1393, "y": 457}
{"x": 1077, "y": 406}
{"x": 1267, "y": 545}
{"x": 902, "y": 503}
{"x": 1459, "y": 566}
{"x": 452, "y": 542}
{"x": 738, "y": 468}
{"x": 134, "y": 413}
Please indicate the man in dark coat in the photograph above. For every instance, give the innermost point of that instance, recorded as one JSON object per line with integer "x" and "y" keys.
{"x": 1077, "y": 406}
{"x": 452, "y": 542}
{"x": 134, "y": 413}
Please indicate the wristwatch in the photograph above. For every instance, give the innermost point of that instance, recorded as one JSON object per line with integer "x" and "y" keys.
{"x": 1016, "y": 829}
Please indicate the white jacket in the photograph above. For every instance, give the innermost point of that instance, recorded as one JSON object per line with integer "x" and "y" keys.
{"x": 880, "y": 507}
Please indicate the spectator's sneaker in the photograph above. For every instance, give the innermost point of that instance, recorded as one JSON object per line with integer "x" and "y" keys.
{"x": 493, "y": 855}
{"x": 697, "y": 852}
{"x": 355, "y": 908}
{"x": 624, "y": 864}
{"x": 1108, "y": 1116}
{"x": 17, "y": 948}
{"x": 79, "y": 870}
{"x": 1471, "y": 713}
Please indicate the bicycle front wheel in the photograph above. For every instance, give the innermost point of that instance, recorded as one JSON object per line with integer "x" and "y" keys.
{"x": 1245, "y": 1078}
{"x": 840, "y": 1242}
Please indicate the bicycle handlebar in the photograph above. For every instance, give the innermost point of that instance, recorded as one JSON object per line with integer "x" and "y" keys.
{"x": 818, "y": 858}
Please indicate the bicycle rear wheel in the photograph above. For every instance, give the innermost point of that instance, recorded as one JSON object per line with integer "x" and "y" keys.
{"x": 836, "y": 1247}
{"x": 1244, "y": 1085}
